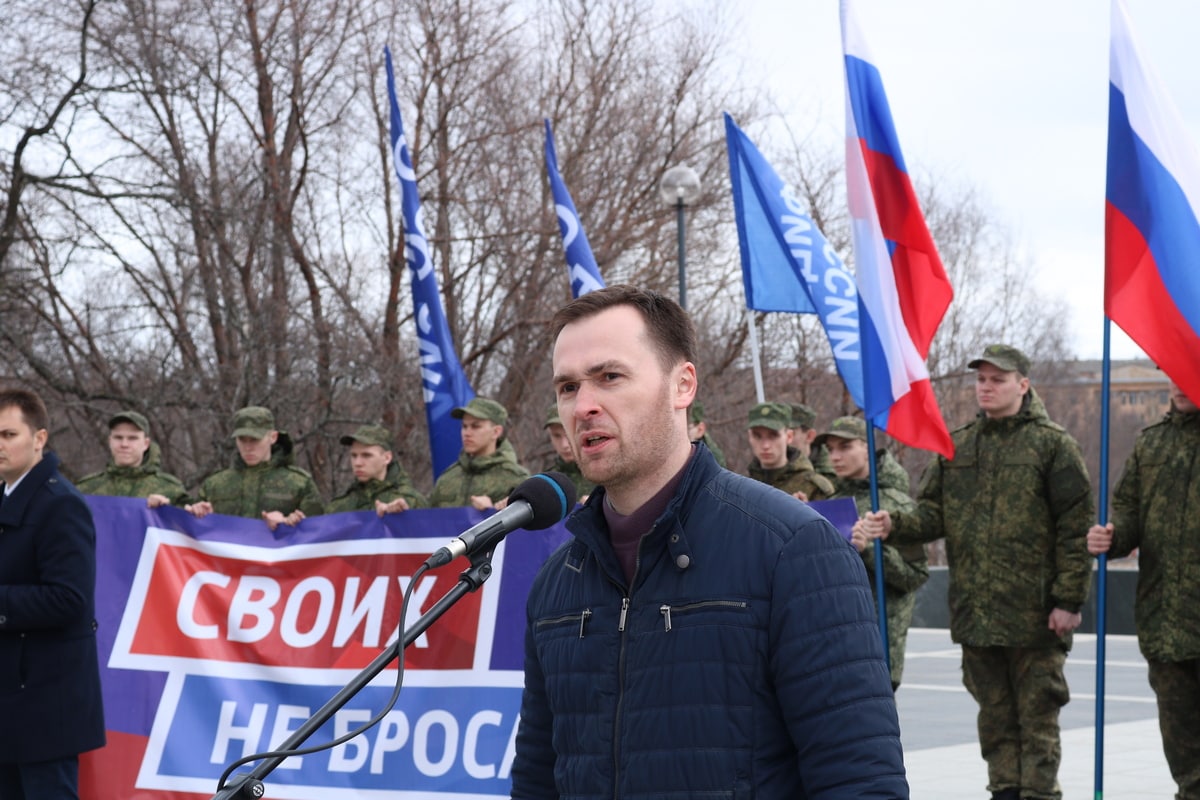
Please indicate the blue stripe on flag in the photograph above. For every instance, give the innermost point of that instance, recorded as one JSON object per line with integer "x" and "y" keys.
{"x": 1142, "y": 188}
{"x": 872, "y": 114}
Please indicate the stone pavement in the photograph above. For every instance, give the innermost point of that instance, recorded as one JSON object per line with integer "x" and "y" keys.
{"x": 941, "y": 751}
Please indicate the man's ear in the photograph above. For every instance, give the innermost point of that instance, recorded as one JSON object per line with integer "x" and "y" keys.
{"x": 686, "y": 385}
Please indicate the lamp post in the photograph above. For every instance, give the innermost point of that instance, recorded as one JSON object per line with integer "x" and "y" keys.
{"x": 680, "y": 187}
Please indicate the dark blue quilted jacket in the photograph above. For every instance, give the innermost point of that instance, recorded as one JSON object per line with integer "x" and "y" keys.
{"x": 744, "y": 662}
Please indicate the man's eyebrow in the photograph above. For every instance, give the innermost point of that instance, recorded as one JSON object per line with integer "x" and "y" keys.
{"x": 611, "y": 365}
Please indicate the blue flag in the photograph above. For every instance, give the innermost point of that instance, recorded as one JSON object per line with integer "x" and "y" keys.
{"x": 444, "y": 383}
{"x": 787, "y": 265}
{"x": 767, "y": 274}
{"x": 581, "y": 264}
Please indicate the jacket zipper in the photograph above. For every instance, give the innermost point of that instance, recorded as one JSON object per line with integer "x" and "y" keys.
{"x": 665, "y": 609}
{"x": 583, "y": 617}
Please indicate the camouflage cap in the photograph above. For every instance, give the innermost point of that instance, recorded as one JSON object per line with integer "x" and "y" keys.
{"x": 776, "y": 416}
{"x": 803, "y": 416}
{"x": 844, "y": 428}
{"x": 370, "y": 434}
{"x": 552, "y": 417}
{"x": 483, "y": 408}
{"x": 254, "y": 422}
{"x": 132, "y": 417}
{"x": 696, "y": 413}
{"x": 1004, "y": 357}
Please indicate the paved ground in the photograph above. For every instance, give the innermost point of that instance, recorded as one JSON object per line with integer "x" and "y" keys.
{"x": 937, "y": 720}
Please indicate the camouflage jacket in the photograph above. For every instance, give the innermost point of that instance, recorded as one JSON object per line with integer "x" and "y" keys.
{"x": 824, "y": 466}
{"x": 797, "y": 475}
{"x": 1014, "y": 507}
{"x": 494, "y": 475}
{"x": 583, "y": 487}
{"x": 141, "y": 481}
{"x": 361, "y": 496}
{"x": 905, "y": 567}
{"x": 1156, "y": 506}
{"x": 714, "y": 449}
{"x": 274, "y": 485}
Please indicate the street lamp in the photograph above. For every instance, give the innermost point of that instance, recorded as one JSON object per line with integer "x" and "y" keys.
{"x": 680, "y": 187}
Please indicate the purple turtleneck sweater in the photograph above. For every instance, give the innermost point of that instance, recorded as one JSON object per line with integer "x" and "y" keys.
{"x": 626, "y": 531}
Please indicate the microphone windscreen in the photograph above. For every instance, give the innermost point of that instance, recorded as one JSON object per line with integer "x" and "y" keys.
{"x": 551, "y": 496}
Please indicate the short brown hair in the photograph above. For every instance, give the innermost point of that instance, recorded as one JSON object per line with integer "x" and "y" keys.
{"x": 671, "y": 331}
{"x": 33, "y": 410}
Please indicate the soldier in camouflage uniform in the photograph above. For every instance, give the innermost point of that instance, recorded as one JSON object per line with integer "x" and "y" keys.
{"x": 1156, "y": 507}
{"x": 564, "y": 461}
{"x": 263, "y": 481}
{"x": 776, "y": 462}
{"x": 380, "y": 483}
{"x": 1014, "y": 506}
{"x": 698, "y": 432}
{"x": 905, "y": 568}
{"x": 483, "y": 475}
{"x": 135, "y": 469}
{"x": 804, "y": 423}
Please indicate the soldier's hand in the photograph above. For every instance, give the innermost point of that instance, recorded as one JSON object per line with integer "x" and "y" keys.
{"x": 276, "y": 518}
{"x": 199, "y": 510}
{"x": 877, "y": 524}
{"x": 800, "y": 496}
{"x": 1099, "y": 539}
{"x": 391, "y": 507}
{"x": 1063, "y": 622}
{"x": 157, "y": 501}
{"x": 482, "y": 502}
{"x": 858, "y": 536}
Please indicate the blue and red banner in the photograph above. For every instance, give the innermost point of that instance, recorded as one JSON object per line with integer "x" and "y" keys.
{"x": 902, "y": 285}
{"x": 1152, "y": 215}
{"x": 219, "y": 638}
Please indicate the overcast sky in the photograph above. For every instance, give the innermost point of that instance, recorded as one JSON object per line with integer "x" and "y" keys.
{"x": 1007, "y": 96}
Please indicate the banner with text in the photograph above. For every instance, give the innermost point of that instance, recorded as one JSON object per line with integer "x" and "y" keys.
{"x": 218, "y": 639}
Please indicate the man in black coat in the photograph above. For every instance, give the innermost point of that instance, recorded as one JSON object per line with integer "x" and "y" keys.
{"x": 50, "y": 705}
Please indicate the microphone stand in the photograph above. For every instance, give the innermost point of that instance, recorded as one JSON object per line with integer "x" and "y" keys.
{"x": 249, "y": 785}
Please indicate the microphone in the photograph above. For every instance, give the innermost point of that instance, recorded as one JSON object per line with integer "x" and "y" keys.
{"x": 537, "y": 503}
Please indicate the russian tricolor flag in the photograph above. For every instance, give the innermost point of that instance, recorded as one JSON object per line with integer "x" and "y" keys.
{"x": 1152, "y": 235}
{"x": 902, "y": 286}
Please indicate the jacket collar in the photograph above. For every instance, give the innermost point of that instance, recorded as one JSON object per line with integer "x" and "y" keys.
{"x": 667, "y": 537}
{"x": 12, "y": 510}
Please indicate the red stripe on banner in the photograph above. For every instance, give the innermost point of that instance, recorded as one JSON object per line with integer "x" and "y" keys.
{"x": 1137, "y": 300}
{"x": 922, "y": 286}
{"x": 916, "y": 420}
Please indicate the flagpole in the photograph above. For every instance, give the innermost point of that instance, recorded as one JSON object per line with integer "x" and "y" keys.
{"x": 756, "y": 357}
{"x": 880, "y": 602}
{"x": 1102, "y": 559}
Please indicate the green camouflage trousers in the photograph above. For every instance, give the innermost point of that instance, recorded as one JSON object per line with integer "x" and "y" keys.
{"x": 1019, "y": 692}
{"x": 1177, "y": 686}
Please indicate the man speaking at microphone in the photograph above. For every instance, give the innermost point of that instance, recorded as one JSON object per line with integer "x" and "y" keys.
{"x": 703, "y": 634}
